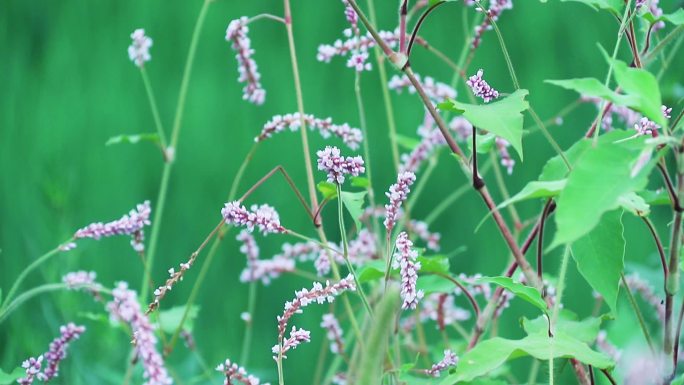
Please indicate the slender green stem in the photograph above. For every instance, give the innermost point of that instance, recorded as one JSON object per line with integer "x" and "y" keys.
{"x": 637, "y": 312}
{"x": 166, "y": 173}
{"x": 556, "y": 307}
{"x": 22, "y": 276}
{"x": 662, "y": 44}
{"x": 669, "y": 58}
{"x": 27, "y": 295}
{"x": 155, "y": 111}
{"x": 498, "y": 176}
{"x": 249, "y": 327}
{"x": 445, "y": 203}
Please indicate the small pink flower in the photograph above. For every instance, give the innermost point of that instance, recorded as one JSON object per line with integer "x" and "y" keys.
{"x": 352, "y": 137}
{"x": 297, "y": 337}
{"x": 333, "y": 332}
{"x": 496, "y": 7}
{"x": 236, "y": 33}
{"x": 337, "y": 166}
{"x": 420, "y": 228}
{"x": 263, "y": 217}
{"x": 235, "y": 373}
{"x": 353, "y": 44}
{"x": 397, "y": 194}
{"x": 481, "y": 88}
{"x": 139, "y": 50}
{"x": 437, "y": 91}
{"x": 667, "y": 112}
{"x": 646, "y": 127}
{"x": 32, "y": 367}
{"x": 58, "y": 350}
{"x": 449, "y": 360}
{"x": 506, "y": 160}
{"x": 131, "y": 224}
{"x": 405, "y": 260}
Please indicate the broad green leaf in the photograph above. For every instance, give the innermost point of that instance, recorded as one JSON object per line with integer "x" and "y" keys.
{"x": 611, "y": 5}
{"x": 503, "y": 117}
{"x": 329, "y": 190}
{"x": 434, "y": 284}
{"x": 170, "y": 319}
{"x": 658, "y": 197}
{"x": 521, "y": 291}
{"x": 599, "y": 178}
{"x": 490, "y": 354}
{"x": 360, "y": 181}
{"x": 11, "y": 378}
{"x": 484, "y": 143}
{"x": 535, "y": 189}
{"x": 133, "y": 139}
{"x": 585, "y": 330}
{"x": 600, "y": 257}
{"x": 407, "y": 142}
{"x": 434, "y": 264}
{"x": 372, "y": 271}
{"x": 555, "y": 168}
{"x": 676, "y": 18}
{"x": 354, "y": 204}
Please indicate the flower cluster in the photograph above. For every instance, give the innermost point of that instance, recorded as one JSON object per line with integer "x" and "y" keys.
{"x": 267, "y": 269}
{"x": 353, "y": 44}
{"x": 363, "y": 247}
{"x": 131, "y": 224}
{"x": 481, "y": 88}
{"x": 124, "y": 307}
{"x": 58, "y": 350}
{"x": 139, "y": 50}
{"x": 397, "y": 195}
{"x": 506, "y": 160}
{"x": 352, "y": 137}
{"x": 236, "y": 33}
{"x": 667, "y": 111}
{"x": 450, "y": 359}
{"x": 646, "y": 127}
{"x": 234, "y": 372}
{"x": 32, "y": 368}
{"x": 412, "y": 161}
{"x": 78, "y": 279}
{"x": 263, "y": 217}
{"x": 405, "y": 260}
{"x": 337, "y": 166}
{"x": 495, "y": 9}
{"x": 421, "y": 229}
{"x": 461, "y": 127}
{"x": 437, "y": 91}
{"x": 175, "y": 276}
{"x": 441, "y": 308}
{"x": 333, "y": 332}
{"x": 303, "y": 298}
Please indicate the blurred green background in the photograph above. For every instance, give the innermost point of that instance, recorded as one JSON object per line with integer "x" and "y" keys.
{"x": 67, "y": 86}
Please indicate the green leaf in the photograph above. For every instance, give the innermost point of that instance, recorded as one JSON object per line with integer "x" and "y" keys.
{"x": 372, "y": 271}
{"x": 503, "y": 117}
{"x": 611, "y": 5}
{"x": 585, "y": 330}
{"x": 133, "y": 139}
{"x": 170, "y": 319}
{"x": 360, "y": 181}
{"x": 521, "y": 291}
{"x": 600, "y": 257}
{"x": 434, "y": 284}
{"x": 658, "y": 197}
{"x": 354, "y": 204}
{"x": 434, "y": 264}
{"x": 11, "y": 378}
{"x": 676, "y": 18}
{"x": 555, "y": 168}
{"x": 484, "y": 143}
{"x": 535, "y": 189}
{"x": 329, "y": 190}
{"x": 407, "y": 142}
{"x": 599, "y": 178}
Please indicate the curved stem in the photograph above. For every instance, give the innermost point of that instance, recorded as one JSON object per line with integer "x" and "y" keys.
{"x": 659, "y": 246}
{"x": 26, "y": 272}
{"x": 471, "y": 299}
{"x": 155, "y": 111}
{"x": 640, "y": 317}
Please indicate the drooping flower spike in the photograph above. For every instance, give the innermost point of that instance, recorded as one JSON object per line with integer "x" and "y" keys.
{"x": 397, "y": 194}
{"x": 405, "y": 260}
{"x": 333, "y": 332}
{"x": 450, "y": 359}
{"x": 337, "y": 166}
{"x": 495, "y": 9}
{"x": 52, "y": 358}
{"x": 352, "y": 137}
{"x": 236, "y": 33}
{"x": 364, "y": 43}
{"x": 263, "y": 217}
{"x": 131, "y": 224}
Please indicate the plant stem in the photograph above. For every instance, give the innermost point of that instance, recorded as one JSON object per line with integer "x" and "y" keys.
{"x": 24, "y": 273}
{"x": 155, "y": 111}
{"x": 640, "y": 317}
{"x": 166, "y": 173}
{"x": 247, "y": 336}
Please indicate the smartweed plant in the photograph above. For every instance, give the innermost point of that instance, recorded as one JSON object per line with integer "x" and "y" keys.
{"x": 397, "y": 310}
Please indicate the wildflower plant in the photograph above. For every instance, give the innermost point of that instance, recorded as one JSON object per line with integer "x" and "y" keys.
{"x": 396, "y": 302}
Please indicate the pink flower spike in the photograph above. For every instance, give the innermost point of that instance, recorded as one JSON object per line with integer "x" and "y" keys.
{"x": 437, "y": 91}
{"x": 264, "y": 217}
{"x": 450, "y": 359}
{"x": 32, "y": 367}
{"x": 646, "y": 127}
{"x": 333, "y": 332}
{"x": 337, "y": 166}
{"x": 354, "y": 44}
{"x": 405, "y": 260}
{"x": 667, "y": 112}
{"x": 481, "y": 88}
{"x": 131, "y": 224}
{"x": 352, "y": 137}
{"x": 234, "y": 372}
{"x": 420, "y": 228}
{"x": 236, "y": 33}
{"x": 506, "y": 160}
{"x": 139, "y": 50}
{"x": 297, "y": 337}
{"x": 58, "y": 350}
{"x": 397, "y": 194}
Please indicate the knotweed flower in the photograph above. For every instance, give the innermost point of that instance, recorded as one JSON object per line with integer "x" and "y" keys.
{"x": 303, "y": 298}
{"x": 481, "y": 88}
{"x": 322, "y": 263}
{"x": 124, "y": 307}
{"x": 626, "y": 115}
{"x": 32, "y": 367}
{"x": 175, "y": 276}
{"x": 235, "y": 373}
{"x": 437, "y": 91}
{"x": 440, "y": 307}
{"x": 337, "y": 166}
{"x": 405, "y": 260}
{"x": 353, "y": 44}
{"x": 83, "y": 280}
{"x": 639, "y": 285}
{"x": 646, "y": 127}
{"x": 667, "y": 112}
{"x": 58, "y": 350}
{"x": 363, "y": 247}
{"x": 449, "y": 360}
{"x": 250, "y": 249}
{"x": 506, "y": 160}
{"x": 412, "y": 161}
{"x": 359, "y": 61}
{"x": 495, "y": 9}
{"x": 139, "y": 50}
{"x": 352, "y": 137}
{"x": 67, "y": 246}
{"x": 397, "y": 195}
{"x": 333, "y": 332}
{"x": 461, "y": 127}
{"x": 302, "y": 251}
{"x": 131, "y": 224}
{"x": 236, "y": 33}
{"x": 267, "y": 269}
{"x": 263, "y": 217}
{"x": 420, "y": 228}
